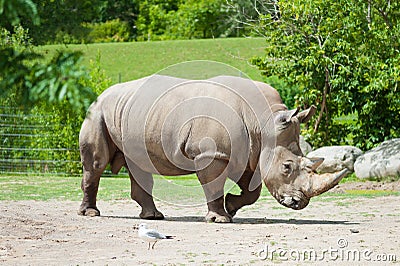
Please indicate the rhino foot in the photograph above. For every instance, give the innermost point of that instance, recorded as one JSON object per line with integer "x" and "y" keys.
{"x": 217, "y": 218}
{"x": 89, "y": 212}
{"x": 230, "y": 208}
{"x": 151, "y": 215}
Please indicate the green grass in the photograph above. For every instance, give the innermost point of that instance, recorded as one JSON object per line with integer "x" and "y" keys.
{"x": 172, "y": 189}
{"x": 365, "y": 193}
{"x": 179, "y": 190}
{"x": 128, "y": 61}
{"x": 39, "y": 188}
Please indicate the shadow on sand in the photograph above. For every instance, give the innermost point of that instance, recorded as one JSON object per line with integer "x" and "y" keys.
{"x": 240, "y": 220}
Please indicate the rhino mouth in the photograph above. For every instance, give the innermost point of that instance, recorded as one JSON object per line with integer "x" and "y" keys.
{"x": 296, "y": 202}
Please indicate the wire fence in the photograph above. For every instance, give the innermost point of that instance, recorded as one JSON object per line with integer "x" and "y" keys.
{"x": 26, "y": 145}
{"x": 37, "y": 143}
{"x": 29, "y": 144}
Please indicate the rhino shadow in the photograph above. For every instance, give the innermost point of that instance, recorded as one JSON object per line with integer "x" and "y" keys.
{"x": 240, "y": 220}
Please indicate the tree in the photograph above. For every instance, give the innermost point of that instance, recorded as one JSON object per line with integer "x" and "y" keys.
{"x": 152, "y": 17}
{"x": 62, "y": 20}
{"x": 125, "y": 10}
{"x": 186, "y": 19}
{"x": 344, "y": 57}
{"x": 243, "y": 16}
{"x": 201, "y": 19}
{"x": 11, "y": 12}
{"x": 30, "y": 81}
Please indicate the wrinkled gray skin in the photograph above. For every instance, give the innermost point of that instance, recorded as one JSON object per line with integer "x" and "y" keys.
{"x": 222, "y": 127}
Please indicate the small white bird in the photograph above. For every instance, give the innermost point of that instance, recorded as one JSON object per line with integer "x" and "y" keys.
{"x": 151, "y": 235}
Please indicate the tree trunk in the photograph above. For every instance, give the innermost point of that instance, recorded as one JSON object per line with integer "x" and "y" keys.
{"x": 324, "y": 108}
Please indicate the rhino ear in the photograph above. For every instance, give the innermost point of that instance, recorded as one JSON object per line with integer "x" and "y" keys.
{"x": 305, "y": 116}
{"x": 285, "y": 117}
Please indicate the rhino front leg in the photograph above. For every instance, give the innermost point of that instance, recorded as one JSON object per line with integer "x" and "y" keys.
{"x": 250, "y": 184}
{"x": 141, "y": 192}
{"x": 212, "y": 178}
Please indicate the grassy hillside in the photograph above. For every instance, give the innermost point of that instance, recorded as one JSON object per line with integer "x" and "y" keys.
{"x": 127, "y": 61}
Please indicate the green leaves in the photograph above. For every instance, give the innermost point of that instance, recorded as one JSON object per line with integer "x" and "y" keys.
{"x": 62, "y": 80}
{"x": 344, "y": 57}
{"x": 187, "y": 19}
{"x": 12, "y": 10}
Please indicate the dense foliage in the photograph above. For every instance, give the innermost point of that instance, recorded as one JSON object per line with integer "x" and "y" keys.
{"x": 32, "y": 81}
{"x": 43, "y": 107}
{"x": 86, "y": 21}
{"x": 344, "y": 57}
{"x": 183, "y": 19}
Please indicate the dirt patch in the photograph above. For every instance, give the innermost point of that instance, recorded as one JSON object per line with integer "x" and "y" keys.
{"x": 353, "y": 229}
{"x": 368, "y": 185}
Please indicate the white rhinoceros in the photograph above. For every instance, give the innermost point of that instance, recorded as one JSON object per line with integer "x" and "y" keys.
{"x": 223, "y": 127}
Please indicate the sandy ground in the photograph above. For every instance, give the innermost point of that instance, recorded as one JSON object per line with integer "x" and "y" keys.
{"x": 330, "y": 230}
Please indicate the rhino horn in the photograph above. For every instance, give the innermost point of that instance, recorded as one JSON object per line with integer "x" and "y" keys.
{"x": 322, "y": 183}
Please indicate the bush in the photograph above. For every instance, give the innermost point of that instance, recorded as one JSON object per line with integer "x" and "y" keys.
{"x": 109, "y": 31}
{"x": 77, "y": 36}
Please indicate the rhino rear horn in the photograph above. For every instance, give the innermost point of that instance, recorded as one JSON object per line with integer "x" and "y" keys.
{"x": 324, "y": 182}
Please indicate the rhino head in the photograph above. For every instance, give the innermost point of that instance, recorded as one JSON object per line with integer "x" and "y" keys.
{"x": 289, "y": 176}
{"x": 292, "y": 179}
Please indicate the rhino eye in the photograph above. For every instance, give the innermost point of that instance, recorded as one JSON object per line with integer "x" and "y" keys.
{"x": 287, "y": 168}
{"x": 284, "y": 121}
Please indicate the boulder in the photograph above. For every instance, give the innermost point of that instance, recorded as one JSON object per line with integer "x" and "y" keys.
{"x": 336, "y": 158}
{"x": 304, "y": 146}
{"x": 382, "y": 161}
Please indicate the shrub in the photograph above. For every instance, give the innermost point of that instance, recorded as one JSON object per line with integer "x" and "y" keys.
{"x": 109, "y": 31}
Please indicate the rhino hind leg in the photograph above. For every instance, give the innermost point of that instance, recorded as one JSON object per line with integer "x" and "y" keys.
{"x": 250, "y": 184}
{"x": 141, "y": 192}
{"x": 92, "y": 169}
{"x": 212, "y": 179}
{"x": 95, "y": 155}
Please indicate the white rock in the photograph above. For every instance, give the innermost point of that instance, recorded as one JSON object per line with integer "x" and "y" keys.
{"x": 382, "y": 161}
{"x": 336, "y": 158}
{"x": 304, "y": 146}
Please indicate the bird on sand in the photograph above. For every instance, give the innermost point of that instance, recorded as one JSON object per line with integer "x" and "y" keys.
{"x": 151, "y": 235}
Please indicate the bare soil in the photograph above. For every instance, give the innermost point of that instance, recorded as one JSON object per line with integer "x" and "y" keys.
{"x": 339, "y": 230}
{"x": 368, "y": 185}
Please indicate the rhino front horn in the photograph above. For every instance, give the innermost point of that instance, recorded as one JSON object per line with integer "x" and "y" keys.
{"x": 324, "y": 182}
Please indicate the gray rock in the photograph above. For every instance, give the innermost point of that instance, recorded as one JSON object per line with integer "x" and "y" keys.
{"x": 382, "y": 161}
{"x": 336, "y": 158}
{"x": 305, "y": 146}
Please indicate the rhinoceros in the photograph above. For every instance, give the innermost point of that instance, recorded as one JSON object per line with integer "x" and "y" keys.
{"x": 219, "y": 128}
